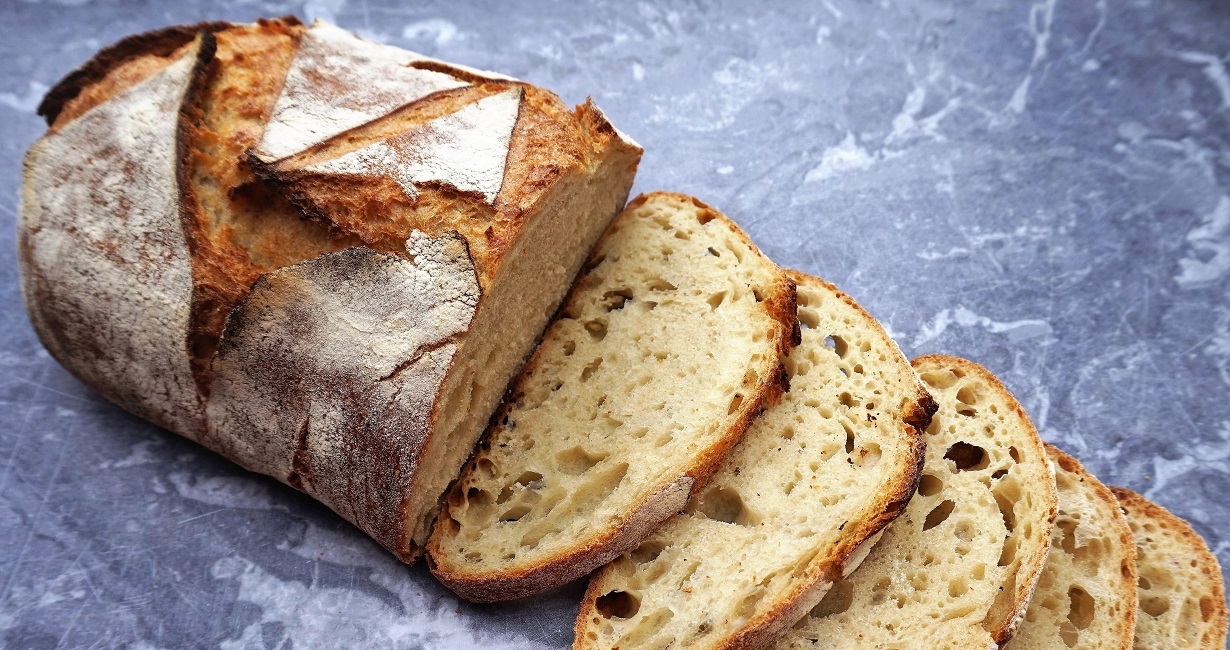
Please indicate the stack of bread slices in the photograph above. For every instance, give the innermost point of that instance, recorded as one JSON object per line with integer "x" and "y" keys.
{"x": 413, "y": 291}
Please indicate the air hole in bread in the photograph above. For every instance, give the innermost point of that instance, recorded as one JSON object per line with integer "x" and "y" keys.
{"x": 588, "y": 370}
{"x": 724, "y": 504}
{"x": 968, "y": 395}
{"x": 1155, "y": 606}
{"x": 714, "y": 252}
{"x": 596, "y": 329}
{"x": 847, "y": 400}
{"x": 659, "y": 284}
{"x": 837, "y": 600}
{"x": 1068, "y": 541}
{"x": 849, "y": 437}
{"x": 808, "y": 318}
{"x": 717, "y": 299}
{"x": 933, "y": 428}
{"x": 967, "y": 411}
{"x": 957, "y": 588}
{"x": 648, "y": 552}
{"x": 525, "y": 502}
{"x": 930, "y": 485}
{"x": 613, "y": 300}
{"x": 940, "y": 379}
{"x": 837, "y": 345}
{"x": 938, "y": 514}
{"x": 1080, "y": 607}
{"x": 757, "y": 294}
{"x": 576, "y": 460}
{"x": 705, "y": 216}
{"x": 735, "y": 403}
{"x": 967, "y": 456}
{"x": 569, "y": 348}
{"x": 618, "y": 604}
{"x": 682, "y": 234}
{"x": 1015, "y": 454}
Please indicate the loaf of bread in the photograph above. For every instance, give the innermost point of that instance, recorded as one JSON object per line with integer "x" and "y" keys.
{"x": 1179, "y": 584}
{"x": 794, "y": 508}
{"x": 1086, "y": 598}
{"x": 319, "y": 256}
{"x": 672, "y": 340}
{"x": 957, "y": 568}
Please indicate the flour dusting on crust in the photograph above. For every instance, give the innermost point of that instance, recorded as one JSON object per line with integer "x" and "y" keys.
{"x": 107, "y": 275}
{"x": 467, "y": 150}
{"x": 339, "y": 81}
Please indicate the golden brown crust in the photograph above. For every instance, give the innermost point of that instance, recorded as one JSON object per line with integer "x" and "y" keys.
{"x": 160, "y": 43}
{"x": 666, "y": 499}
{"x": 1137, "y": 506}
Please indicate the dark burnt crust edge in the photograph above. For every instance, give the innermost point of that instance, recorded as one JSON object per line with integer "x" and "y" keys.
{"x": 159, "y": 42}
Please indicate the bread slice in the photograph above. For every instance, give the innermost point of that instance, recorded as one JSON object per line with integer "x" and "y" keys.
{"x": 162, "y": 270}
{"x": 791, "y": 510}
{"x": 1179, "y": 582}
{"x": 1086, "y": 598}
{"x": 956, "y": 569}
{"x": 669, "y": 344}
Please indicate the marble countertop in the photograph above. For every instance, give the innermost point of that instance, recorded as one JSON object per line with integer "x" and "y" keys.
{"x": 1043, "y": 188}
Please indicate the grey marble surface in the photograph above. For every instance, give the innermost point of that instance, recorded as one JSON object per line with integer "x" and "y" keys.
{"x": 1044, "y": 188}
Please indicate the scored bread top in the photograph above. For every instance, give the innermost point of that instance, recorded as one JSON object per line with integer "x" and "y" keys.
{"x": 145, "y": 227}
{"x": 814, "y": 480}
{"x": 100, "y": 201}
{"x": 339, "y": 81}
{"x": 956, "y": 569}
{"x": 670, "y": 342}
{"x": 1179, "y": 583}
{"x": 1086, "y": 598}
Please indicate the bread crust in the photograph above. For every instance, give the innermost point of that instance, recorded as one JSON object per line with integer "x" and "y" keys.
{"x": 88, "y": 314}
{"x": 365, "y": 467}
{"x": 1137, "y": 505}
{"x": 160, "y": 42}
{"x": 664, "y": 500}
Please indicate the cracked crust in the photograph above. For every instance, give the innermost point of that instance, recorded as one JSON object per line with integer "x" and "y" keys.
{"x": 144, "y": 228}
{"x": 327, "y": 375}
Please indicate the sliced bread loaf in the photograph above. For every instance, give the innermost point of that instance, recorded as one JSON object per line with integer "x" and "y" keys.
{"x": 1086, "y": 598}
{"x": 671, "y": 341}
{"x": 1179, "y": 582}
{"x": 791, "y": 510}
{"x": 958, "y": 566}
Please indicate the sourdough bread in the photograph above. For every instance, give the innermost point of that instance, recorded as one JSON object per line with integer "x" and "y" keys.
{"x": 1086, "y": 598}
{"x": 669, "y": 344}
{"x": 146, "y": 231}
{"x": 1179, "y": 583}
{"x": 957, "y": 568}
{"x": 792, "y": 509}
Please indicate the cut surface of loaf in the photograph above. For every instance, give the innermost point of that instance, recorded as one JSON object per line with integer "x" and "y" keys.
{"x": 956, "y": 569}
{"x": 793, "y": 508}
{"x": 147, "y": 176}
{"x": 1180, "y": 588}
{"x": 1086, "y": 598}
{"x": 670, "y": 342}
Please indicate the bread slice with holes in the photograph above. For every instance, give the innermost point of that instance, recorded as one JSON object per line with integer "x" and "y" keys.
{"x": 792, "y": 509}
{"x": 957, "y": 568}
{"x": 1086, "y": 598}
{"x": 671, "y": 341}
{"x": 1179, "y": 583}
